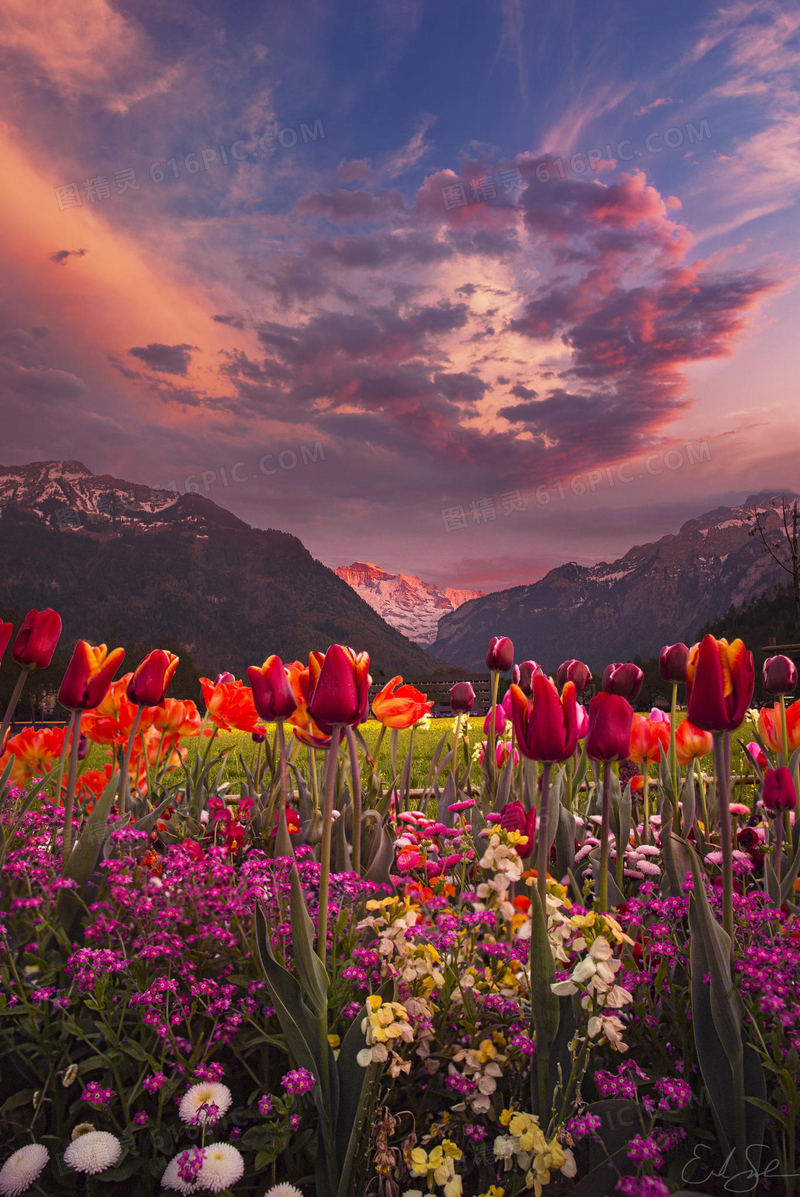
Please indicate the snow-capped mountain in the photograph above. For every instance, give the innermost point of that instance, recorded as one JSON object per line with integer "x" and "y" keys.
{"x": 655, "y": 594}
{"x": 125, "y": 563}
{"x": 406, "y": 602}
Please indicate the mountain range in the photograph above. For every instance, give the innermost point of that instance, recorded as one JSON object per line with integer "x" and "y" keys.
{"x": 126, "y": 564}
{"x": 406, "y": 602}
{"x": 655, "y": 594}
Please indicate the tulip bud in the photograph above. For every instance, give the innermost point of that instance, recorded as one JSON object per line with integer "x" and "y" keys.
{"x": 5, "y": 635}
{"x": 672, "y": 662}
{"x": 499, "y": 721}
{"x": 224, "y": 679}
{"x": 576, "y": 672}
{"x": 779, "y": 675}
{"x": 150, "y": 680}
{"x": 610, "y": 724}
{"x": 500, "y": 654}
{"x": 37, "y": 639}
{"x": 757, "y": 753}
{"x": 83, "y": 748}
{"x": 624, "y": 680}
{"x": 259, "y": 735}
{"x": 462, "y": 698}
{"x": 583, "y": 721}
{"x": 522, "y": 676}
{"x": 779, "y": 791}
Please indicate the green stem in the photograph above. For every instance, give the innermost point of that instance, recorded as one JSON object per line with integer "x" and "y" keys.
{"x": 355, "y": 773}
{"x": 543, "y": 837}
{"x": 604, "y": 830}
{"x": 125, "y": 781}
{"x": 725, "y": 831}
{"x": 12, "y": 706}
{"x": 493, "y": 734}
{"x": 325, "y": 847}
{"x": 74, "y": 734}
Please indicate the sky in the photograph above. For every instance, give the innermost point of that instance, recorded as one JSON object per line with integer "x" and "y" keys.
{"x": 467, "y": 289}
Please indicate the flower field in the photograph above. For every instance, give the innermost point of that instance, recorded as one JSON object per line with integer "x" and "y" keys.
{"x": 301, "y": 945}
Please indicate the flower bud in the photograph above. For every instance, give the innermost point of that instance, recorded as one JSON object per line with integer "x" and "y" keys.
{"x": 779, "y": 791}
{"x": 500, "y": 654}
{"x": 462, "y": 698}
{"x": 624, "y": 680}
{"x": 672, "y": 662}
{"x": 779, "y": 675}
{"x": 522, "y": 676}
{"x": 576, "y": 672}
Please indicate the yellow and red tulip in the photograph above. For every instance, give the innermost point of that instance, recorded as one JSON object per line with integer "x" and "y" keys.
{"x": 338, "y": 687}
{"x": 88, "y": 675}
{"x": 719, "y": 683}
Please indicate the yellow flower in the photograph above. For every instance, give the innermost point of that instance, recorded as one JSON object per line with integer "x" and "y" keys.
{"x": 334, "y": 1040}
{"x": 506, "y": 1117}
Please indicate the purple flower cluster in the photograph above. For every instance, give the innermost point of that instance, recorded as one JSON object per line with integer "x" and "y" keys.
{"x": 96, "y": 1096}
{"x": 298, "y": 1081}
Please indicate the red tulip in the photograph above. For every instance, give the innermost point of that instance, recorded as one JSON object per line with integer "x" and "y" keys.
{"x": 514, "y": 817}
{"x": 546, "y": 725}
{"x": 779, "y": 675}
{"x": 88, "y": 676}
{"x": 150, "y": 679}
{"x": 37, "y": 639}
{"x": 610, "y": 723}
{"x": 522, "y": 676}
{"x": 672, "y": 662}
{"x": 625, "y": 680}
{"x": 272, "y": 691}
{"x": 5, "y": 635}
{"x": 779, "y": 791}
{"x": 338, "y": 687}
{"x": 576, "y": 672}
{"x": 462, "y": 698}
{"x": 719, "y": 682}
{"x": 500, "y": 654}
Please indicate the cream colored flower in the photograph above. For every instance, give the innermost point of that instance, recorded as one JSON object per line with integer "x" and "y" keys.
{"x": 22, "y": 1168}
{"x": 93, "y": 1152}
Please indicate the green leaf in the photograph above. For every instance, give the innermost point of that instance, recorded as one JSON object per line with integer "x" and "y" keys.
{"x": 311, "y": 971}
{"x": 545, "y": 1009}
{"x": 83, "y": 860}
{"x": 355, "y": 1085}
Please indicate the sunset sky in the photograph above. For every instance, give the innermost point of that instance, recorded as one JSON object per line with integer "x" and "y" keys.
{"x": 395, "y": 269}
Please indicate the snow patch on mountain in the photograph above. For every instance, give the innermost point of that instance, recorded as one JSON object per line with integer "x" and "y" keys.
{"x": 406, "y": 602}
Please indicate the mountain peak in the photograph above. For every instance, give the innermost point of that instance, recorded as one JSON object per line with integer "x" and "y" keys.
{"x": 406, "y": 602}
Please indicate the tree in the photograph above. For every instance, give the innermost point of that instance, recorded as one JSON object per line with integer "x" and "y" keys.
{"x": 781, "y": 539}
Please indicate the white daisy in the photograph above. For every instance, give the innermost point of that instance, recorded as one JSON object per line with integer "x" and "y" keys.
{"x": 22, "y": 1168}
{"x": 93, "y": 1152}
{"x": 287, "y": 1190}
{"x": 209, "y": 1094}
{"x": 222, "y": 1167}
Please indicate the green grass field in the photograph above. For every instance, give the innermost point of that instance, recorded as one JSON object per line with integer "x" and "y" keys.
{"x": 238, "y": 747}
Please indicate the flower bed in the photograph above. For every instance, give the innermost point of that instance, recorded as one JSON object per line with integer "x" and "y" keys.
{"x": 578, "y": 975}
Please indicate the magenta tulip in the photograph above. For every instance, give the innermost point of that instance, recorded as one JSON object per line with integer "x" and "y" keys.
{"x": 37, "y": 639}
{"x": 339, "y": 687}
{"x": 623, "y": 680}
{"x": 462, "y": 698}
{"x": 272, "y": 692}
{"x": 672, "y": 662}
{"x": 779, "y": 791}
{"x": 514, "y": 817}
{"x": 522, "y": 676}
{"x": 546, "y": 725}
{"x": 500, "y": 654}
{"x": 779, "y": 675}
{"x": 610, "y": 724}
{"x": 499, "y": 721}
{"x": 576, "y": 672}
{"x": 5, "y": 635}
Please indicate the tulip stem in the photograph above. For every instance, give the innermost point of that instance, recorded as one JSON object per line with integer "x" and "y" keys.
{"x": 74, "y": 734}
{"x": 282, "y": 763}
{"x": 543, "y": 836}
{"x": 124, "y": 781}
{"x": 784, "y": 733}
{"x": 493, "y": 734}
{"x": 325, "y": 847}
{"x": 725, "y": 830}
{"x": 355, "y": 772}
{"x": 604, "y": 830}
{"x": 12, "y": 706}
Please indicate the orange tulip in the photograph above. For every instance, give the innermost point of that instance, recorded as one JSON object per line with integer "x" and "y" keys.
{"x": 648, "y": 737}
{"x": 111, "y": 721}
{"x": 229, "y": 705}
{"x": 401, "y": 707}
{"x": 769, "y": 725}
{"x": 177, "y": 718}
{"x": 33, "y": 751}
{"x": 692, "y": 742}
